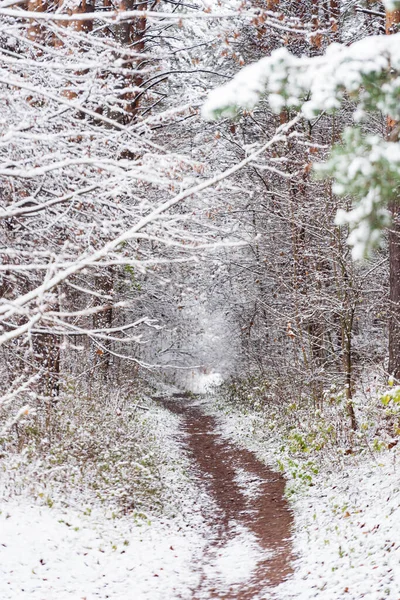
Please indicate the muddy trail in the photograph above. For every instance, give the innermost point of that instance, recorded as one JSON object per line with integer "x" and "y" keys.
{"x": 249, "y": 497}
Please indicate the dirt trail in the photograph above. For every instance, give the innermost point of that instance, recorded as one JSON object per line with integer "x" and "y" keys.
{"x": 264, "y": 513}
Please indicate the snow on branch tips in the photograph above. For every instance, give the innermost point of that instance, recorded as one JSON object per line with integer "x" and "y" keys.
{"x": 363, "y": 78}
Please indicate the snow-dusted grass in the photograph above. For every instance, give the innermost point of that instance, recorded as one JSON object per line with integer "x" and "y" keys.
{"x": 60, "y": 553}
{"x": 62, "y": 540}
{"x": 347, "y": 535}
{"x": 347, "y": 523}
{"x": 121, "y": 453}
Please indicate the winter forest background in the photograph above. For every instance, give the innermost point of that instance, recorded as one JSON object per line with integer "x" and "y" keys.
{"x": 153, "y": 232}
{"x": 126, "y": 248}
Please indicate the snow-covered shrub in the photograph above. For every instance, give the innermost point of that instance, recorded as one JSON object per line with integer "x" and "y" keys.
{"x": 302, "y": 439}
{"x": 103, "y": 448}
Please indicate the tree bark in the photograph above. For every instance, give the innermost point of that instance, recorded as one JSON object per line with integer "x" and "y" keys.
{"x": 334, "y": 7}
{"x": 392, "y": 21}
{"x": 36, "y": 31}
{"x": 394, "y": 293}
{"x": 104, "y": 320}
{"x": 132, "y": 35}
{"x": 392, "y": 26}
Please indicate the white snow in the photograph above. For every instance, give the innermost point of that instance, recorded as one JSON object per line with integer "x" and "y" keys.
{"x": 53, "y": 553}
{"x": 250, "y": 484}
{"x": 348, "y": 535}
{"x": 235, "y": 561}
{"x": 58, "y": 544}
{"x": 289, "y": 79}
{"x": 346, "y": 526}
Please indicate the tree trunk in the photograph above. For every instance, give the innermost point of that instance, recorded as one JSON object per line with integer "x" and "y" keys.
{"x": 392, "y": 21}
{"x": 347, "y": 331}
{"x": 132, "y": 35}
{"x": 394, "y": 294}
{"x": 103, "y": 320}
{"x": 334, "y": 6}
{"x": 36, "y": 32}
{"x": 392, "y": 26}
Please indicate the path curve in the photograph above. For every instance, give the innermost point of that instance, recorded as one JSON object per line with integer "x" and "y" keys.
{"x": 256, "y": 504}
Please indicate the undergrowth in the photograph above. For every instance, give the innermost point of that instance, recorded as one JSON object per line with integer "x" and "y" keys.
{"x": 103, "y": 449}
{"x": 306, "y": 437}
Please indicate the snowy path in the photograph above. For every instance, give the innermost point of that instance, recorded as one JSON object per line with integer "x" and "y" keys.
{"x": 230, "y": 542}
{"x": 346, "y": 528}
{"x": 249, "y": 552}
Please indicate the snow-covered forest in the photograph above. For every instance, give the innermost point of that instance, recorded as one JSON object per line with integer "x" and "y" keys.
{"x": 200, "y": 299}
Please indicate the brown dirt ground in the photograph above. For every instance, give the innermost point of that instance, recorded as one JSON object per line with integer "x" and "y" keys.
{"x": 266, "y": 515}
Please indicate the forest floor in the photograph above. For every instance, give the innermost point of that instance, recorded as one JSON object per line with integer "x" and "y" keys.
{"x": 231, "y": 540}
{"x": 233, "y": 536}
{"x": 251, "y": 519}
{"x": 346, "y": 522}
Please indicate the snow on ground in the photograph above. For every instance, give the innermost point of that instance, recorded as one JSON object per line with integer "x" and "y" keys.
{"x": 50, "y": 553}
{"x": 55, "y": 553}
{"x": 235, "y": 561}
{"x": 347, "y": 535}
{"x": 61, "y": 543}
{"x": 250, "y": 485}
{"x": 57, "y": 543}
{"x": 347, "y": 525}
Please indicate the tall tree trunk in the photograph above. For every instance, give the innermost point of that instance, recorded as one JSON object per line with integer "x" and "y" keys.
{"x": 36, "y": 31}
{"x": 392, "y": 21}
{"x": 85, "y": 6}
{"x": 392, "y": 26}
{"x": 394, "y": 293}
{"x": 132, "y": 35}
{"x": 46, "y": 346}
{"x": 104, "y": 320}
{"x": 334, "y": 7}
